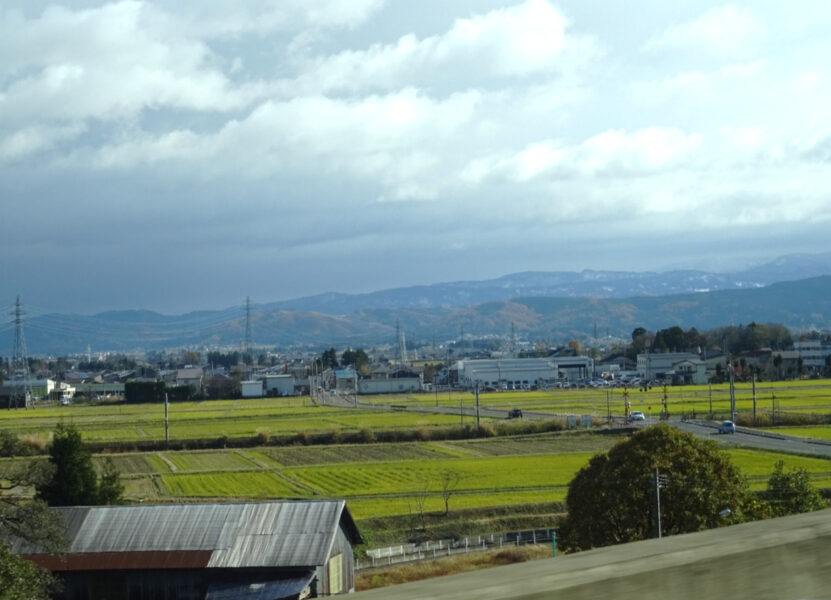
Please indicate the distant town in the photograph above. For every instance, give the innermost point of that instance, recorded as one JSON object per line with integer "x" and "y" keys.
{"x": 670, "y": 356}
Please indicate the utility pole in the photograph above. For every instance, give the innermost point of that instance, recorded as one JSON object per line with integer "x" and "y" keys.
{"x": 732, "y": 392}
{"x": 710, "y": 389}
{"x": 754, "y": 398}
{"x": 658, "y": 482}
{"x": 625, "y": 403}
{"x": 608, "y": 408}
{"x": 477, "y": 405}
{"x": 166, "y": 421}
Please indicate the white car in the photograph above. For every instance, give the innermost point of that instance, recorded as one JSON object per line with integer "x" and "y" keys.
{"x": 636, "y": 415}
{"x": 727, "y": 427}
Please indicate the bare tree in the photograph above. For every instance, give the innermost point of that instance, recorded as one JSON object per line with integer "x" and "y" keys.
{"x": 448, "y": 480}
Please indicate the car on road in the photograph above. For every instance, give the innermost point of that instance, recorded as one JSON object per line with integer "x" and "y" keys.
{"x": 637, "y": 415}
{"x": 515, "y": 413}
{"x": 727, "y": 427}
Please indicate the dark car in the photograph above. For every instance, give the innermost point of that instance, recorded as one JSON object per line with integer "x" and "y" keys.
{"x": 515, "y": 413}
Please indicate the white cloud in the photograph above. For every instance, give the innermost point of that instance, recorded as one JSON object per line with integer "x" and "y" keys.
{"x": 34, "y": 139}
{"x": 105, "y": 63}
{"x": 725, "y": 30}
{"x": 394, "y": 139}
{"x": 513, "y": 42}
{"x": 612, "y": 153}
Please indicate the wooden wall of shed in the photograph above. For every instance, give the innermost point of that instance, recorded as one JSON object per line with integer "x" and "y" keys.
{"x": 343, "y": 546}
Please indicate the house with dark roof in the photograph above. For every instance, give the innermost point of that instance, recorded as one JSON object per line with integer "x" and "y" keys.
{"x": 277, "y": 550}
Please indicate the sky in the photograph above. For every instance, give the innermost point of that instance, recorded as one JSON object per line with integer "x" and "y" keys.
{"x": 178, "y": 156}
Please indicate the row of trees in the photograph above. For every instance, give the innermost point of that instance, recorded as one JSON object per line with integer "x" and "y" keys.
{"x": 358, "y": 359}
{"x": 732, "y": 339}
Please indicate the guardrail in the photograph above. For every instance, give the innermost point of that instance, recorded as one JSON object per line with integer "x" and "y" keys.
{"x": 402, "y": 553}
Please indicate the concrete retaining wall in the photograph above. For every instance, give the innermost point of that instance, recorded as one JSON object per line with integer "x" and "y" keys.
{"x": 781, "y": 559}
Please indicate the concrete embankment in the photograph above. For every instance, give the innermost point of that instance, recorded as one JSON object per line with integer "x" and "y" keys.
{"x": 782, "y": 559}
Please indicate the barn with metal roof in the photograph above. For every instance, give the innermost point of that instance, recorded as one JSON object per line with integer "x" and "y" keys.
{"x": 258, "y": 551}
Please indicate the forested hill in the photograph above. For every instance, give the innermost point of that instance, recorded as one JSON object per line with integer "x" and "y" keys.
{"x": 797, "y": 305}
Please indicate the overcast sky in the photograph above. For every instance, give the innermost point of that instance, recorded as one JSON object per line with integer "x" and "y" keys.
{"x": 183, "y": 155}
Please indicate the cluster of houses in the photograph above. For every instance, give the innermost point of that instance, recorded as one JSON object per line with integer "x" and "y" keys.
{"x": 683, "y": 368}
{"x": 496, "y": 372}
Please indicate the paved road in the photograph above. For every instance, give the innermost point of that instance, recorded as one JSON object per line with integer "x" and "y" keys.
{"x": 757, "y": 439}
{"x": 751, "y": 438}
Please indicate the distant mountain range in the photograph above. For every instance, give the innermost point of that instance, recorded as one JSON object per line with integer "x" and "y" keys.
{"x": 564, "y": 284}
{"x": 558, "y": 306}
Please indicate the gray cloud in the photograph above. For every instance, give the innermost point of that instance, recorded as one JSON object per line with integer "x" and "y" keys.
{"x": 177, "y": 156}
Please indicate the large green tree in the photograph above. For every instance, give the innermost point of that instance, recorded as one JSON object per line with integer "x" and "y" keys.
{"x": 612, "y": 499}
{"x": 74, "y": 481}
{"x": 356, "y": 358}
{"x": 23, "y": 580}
{"x": 27, "y": 520}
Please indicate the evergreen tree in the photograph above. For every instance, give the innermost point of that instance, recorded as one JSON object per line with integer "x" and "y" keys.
{"x": 74, "y": 481}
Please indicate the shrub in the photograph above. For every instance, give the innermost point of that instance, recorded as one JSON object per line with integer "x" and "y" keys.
{"x": 367, "y": 437}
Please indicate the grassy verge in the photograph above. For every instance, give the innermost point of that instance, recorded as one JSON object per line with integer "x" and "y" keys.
{"x": 448, "y": 566}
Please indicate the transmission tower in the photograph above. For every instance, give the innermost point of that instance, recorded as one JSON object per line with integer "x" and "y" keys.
{"x": 247, "y": 325}
{"x": 21, "y": 393}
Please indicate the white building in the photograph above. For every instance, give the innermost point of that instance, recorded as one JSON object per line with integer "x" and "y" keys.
{"x": 280, "y": 385}
{"x": 251, "y": 389}
{"x": 812, "y": 354}
{"x": 523, "y": 372}
{"x": 662, "y": 364}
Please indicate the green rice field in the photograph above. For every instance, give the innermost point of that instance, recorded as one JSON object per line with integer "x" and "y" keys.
{"x": 287, "y": 416}
{"x": 392, "y": 479}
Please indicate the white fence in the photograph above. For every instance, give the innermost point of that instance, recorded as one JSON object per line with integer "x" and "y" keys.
{"x": 429, "y": 550}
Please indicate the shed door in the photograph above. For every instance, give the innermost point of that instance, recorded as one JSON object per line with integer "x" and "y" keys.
{"x": 336, "y": 574}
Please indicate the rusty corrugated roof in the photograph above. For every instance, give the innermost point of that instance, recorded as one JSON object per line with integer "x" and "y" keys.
{"x": 262, "y": 534}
